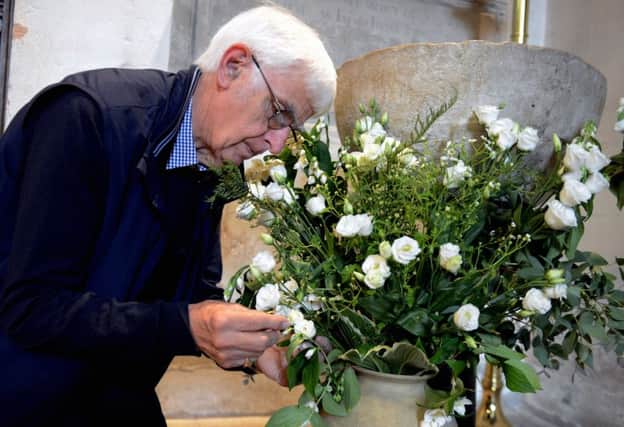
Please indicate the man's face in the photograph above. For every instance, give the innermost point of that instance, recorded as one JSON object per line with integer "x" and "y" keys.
{"x": 239, "y": 127}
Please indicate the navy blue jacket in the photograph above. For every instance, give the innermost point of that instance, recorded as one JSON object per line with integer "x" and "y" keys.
{"x": 101, "y": 249}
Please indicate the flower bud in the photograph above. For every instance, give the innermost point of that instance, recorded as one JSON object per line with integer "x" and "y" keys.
{"x": 359, "y": 276}
{"x": 470, "y": 342}
{"x": 384, "y": 119}
{"x": 347, "y": 207}
{"x": 266, "y": 239}
{"x": 385, "y": 249}
{"x": 553, "y": 274}
{"x": 556, "y": 142}
{"x": 362, "y": 108}
{"x": 255, "y": 272}
{"x": 526, "y": 313}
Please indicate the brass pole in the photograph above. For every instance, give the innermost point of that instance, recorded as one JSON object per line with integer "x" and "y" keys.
{"x": 519, "y": 21}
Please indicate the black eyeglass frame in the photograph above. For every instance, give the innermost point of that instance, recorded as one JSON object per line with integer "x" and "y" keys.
{"x": 283, "y": 117}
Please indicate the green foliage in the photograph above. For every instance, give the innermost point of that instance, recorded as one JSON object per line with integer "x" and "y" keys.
{"x": 394, "y": 315}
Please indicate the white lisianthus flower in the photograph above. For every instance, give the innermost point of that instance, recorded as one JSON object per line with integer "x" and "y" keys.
{"x": 456, "y": 174}
{"x": 263, "y": 261}
{"x": 294, "y": 316}
{"x": 505, "y": 131}
{"x": 257, "y": 190}
{"x": 348, "y": 226}
{"x": 377, "y": 130}
{"x": 486, "y": 114}
{"x": 289, "y": 196}
{"x": 435, "y": 418}
{"x": 536, "y": 300}
{"x": 596, "y": 183}
{"x": 306, "y": 328}
{"x": 364, "y": 124}
{"x": 267, "y": 297}
{"x": 385, "y": 250}
{"x": 274, "y": 191}
{"x": 365, "y": 223}
{"x": 558, "y": 216}
{"x": 376, "y": 271}
{"x": 575, "y": 157}
{"x": 404, "y": 250}
{"x": 312, "y": 302}
{"x": 528, "y": 139}
{"x": 556, "y": 292}
{"x": 574, "y": 192}
{"x": 390, "y": 144}
{"x": 466, "y": 317}
{"x": 371, "y": 151}
{"x": 450, "y": 259}
{"x": 596, "y": 160}
{"x": 278, "y": 173}
{"x": 266, "y": 218}
{"x": 366, "y": 138}
{"x": 246, "y": 210}
{"x": 575, "y": 175}
{"x": 316, "y": 205}
{"x": 459, "y": 406}
{"x": 290, "y": 285}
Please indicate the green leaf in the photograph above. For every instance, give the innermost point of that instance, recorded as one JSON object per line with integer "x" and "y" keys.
{"x": 434, "y": 398}
{"x": 293, "y": 416}
{"x": 311, "y": 372}
{"x": 541, "y": 354}
{"x": 574, "y": 237}
{"x": 531, "y": 273}
{"x": 351, "y": 395}
{"x": 332, "y": 407}
{"x": 407, "y": 359}
{"x": 520, "y": 377}
{"x": 416, "y": 322}
{"x": 294, "y": 370}
{"x": 616, "y": 313}
{"x": 321, "y": 152}
{"x": 457, "y": 366}
{"x": 446, "y": 349}
{"x": 569, "y": 342}
{"x": 502, "y": 352}
{"x": 574, "y": 295}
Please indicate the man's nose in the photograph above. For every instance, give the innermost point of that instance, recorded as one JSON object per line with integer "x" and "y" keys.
{"x": 277, "y": 139}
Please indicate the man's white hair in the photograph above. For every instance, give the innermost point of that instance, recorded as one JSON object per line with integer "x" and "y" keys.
{"x": 282, "y": 42}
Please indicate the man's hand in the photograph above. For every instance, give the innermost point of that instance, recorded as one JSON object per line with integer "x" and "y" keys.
{"x": 230, "y": 333}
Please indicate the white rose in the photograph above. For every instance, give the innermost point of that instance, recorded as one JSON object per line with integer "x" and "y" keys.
{"x": 294, "y": 316}
{"x": 282, "y": 310}
{"x": 459, "y": 406}
{"x": 267, "y": 297}
{"x": 486, "y": 114}
{"x": 596, "y": 183}
{"x": 596, "y": 160}
{"x": 574, "y": 192}
{"x": 278, "y": 173}
{"x": 450, "y": 259}
{"x": 263, "y": 261}
{"x": 528, "y": 139}
{"x": 536, "y": 300}
{"x": 435, "y": 418}
{"x": 557, "y": 291}
{"x": 312, "y": 302}
{"x": 456, "y": 174}
{"x": 376, "y": 271}
{"x": 274, "y": 191}
{"x": 505, "y": 131}
{"x": 558, "y": 216}
{"x": 365, "y": 224}
{"x": 315, "y": 205}
{"x": 466, "y": 317}
{"x": 246, "y": 210}
{"x": 575, "y": 175}
{"x": 348, "y": 226}
{"x": 575, "y": 157}
{"x": 405, "y": 249}
{"x": 305, "y": 328}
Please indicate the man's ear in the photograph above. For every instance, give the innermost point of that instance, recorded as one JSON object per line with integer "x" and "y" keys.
{"x": 232, "y": 64}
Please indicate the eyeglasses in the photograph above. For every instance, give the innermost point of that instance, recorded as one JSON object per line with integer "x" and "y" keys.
{"x": 282, "y": 117}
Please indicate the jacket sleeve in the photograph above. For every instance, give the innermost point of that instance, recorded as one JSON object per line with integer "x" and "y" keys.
{"x": 60, "y": 207}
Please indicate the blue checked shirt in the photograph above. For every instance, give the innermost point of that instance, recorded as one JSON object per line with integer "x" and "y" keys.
{"x": 184, "y": 153}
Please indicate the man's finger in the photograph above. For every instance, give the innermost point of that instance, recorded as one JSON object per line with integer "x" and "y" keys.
{"x": 252, "y": 320}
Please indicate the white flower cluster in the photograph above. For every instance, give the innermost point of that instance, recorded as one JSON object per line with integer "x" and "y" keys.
{"x": 539, "y": 300}
{"x": 355, "y": 225}
{"x": 375, "y": 143}
{"x": 505, "y": 131}
{"x": 583, "y": 163}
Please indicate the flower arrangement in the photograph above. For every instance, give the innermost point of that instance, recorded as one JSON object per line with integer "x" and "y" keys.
{"x": 414, "y": 256}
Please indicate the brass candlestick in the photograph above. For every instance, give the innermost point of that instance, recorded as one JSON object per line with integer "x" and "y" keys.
{"x": 519, "y": 21}
{"x": 490, "y": 412}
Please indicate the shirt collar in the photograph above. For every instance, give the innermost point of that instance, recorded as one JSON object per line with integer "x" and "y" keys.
{"x": 184, "y": 152}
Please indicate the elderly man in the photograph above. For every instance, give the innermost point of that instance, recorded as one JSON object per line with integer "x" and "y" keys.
{"x": 109, "y": 248}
